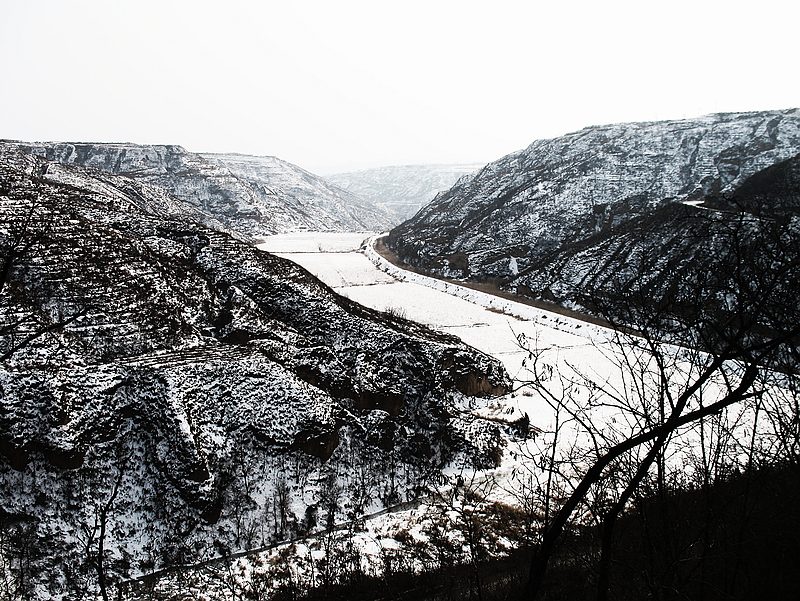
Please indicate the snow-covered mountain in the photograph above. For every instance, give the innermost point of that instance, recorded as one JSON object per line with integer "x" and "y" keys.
{"x": 710, "y": 269}
{"x": 402, "y": 190}
{"x": 252, "y": 195}
{"x": 517, "y": 210}
{"x": 169, "y": 393}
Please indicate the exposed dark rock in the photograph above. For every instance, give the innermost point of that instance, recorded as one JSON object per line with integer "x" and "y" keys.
{"x": 317, "y": 443}
{"x": 464, "y": 376}
{"x": 391, "y": 402}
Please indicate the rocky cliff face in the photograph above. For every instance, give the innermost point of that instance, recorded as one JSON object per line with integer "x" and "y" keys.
{"x": 402, "y": 190}
{"x": 169, "y": 393}
{"x": 255, "y": 196}
{"x": 519, "y": 210}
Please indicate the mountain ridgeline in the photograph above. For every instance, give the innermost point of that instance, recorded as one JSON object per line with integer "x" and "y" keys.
{"x": 169, "y": 393}
{"x": 255, "y": 196}
{"x": 609, "y": 214}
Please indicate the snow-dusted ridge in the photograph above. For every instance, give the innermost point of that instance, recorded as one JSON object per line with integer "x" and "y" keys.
{"x": 568, "y": 189}
{"x": 249, "y": 194}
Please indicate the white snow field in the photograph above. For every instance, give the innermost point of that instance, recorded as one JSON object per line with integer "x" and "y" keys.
{"x": 575, "y": 349}
{"x": 348, "y": 263}
{"x": 314, "y": 242}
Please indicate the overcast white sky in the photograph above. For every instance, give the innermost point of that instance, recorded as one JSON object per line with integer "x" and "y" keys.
{"x": 343, "y": 85}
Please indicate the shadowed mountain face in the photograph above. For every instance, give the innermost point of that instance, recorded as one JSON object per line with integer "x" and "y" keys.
{"x": 168, "y": 392}
{"x": 518, "y": 211}
{"x": 717, "y": 275}
{"x": 255, "y": 196}
{"x": 773, "y": 193}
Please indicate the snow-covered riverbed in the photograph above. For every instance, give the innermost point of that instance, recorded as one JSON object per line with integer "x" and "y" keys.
{"x": 488, "y": 323}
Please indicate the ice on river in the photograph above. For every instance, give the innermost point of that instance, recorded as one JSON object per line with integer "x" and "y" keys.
{"x": 314, "y": 242}
{"x": 487, "y": 323}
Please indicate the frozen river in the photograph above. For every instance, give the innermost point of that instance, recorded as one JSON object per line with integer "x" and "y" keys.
{"x": 487, "y": 323}
{"x": 586, "y": 359}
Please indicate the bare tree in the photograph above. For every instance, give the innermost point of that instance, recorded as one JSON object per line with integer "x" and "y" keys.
{"x": 95, "y": 533}
{"x": 680, "y": 370}
{"x": 17, "y": 553}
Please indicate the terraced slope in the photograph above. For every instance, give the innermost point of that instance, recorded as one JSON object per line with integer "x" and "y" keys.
{"x": 169, "y": 393}
{"x": 251, "y": 195}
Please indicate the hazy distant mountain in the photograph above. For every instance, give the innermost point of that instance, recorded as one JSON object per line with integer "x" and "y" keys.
{"x": 168, "y": 392}
{"x": 253, "y": 195}
{"x": 314, "y": 203}
{"x": 402, "y": 190}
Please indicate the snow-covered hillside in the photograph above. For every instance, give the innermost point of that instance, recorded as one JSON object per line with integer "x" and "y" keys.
{"x": 169, "y": 393}
{"x": 565, "y": 348}
{"x": 566, "y": 189}
{"x": 253, "y": 195}
{"x": 310, "y": 202}
{"x": 622, "y": 220}
{"x": 402, "y": 190}
{"x": 687, "y": 258}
